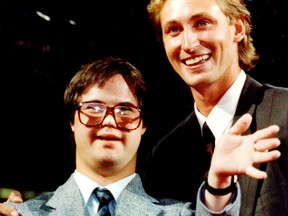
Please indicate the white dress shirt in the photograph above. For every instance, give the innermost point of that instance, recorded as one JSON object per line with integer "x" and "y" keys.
{"x": 221, "y": 116}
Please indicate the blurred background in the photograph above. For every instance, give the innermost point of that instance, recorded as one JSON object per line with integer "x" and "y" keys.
{"x": 42, "y": 45}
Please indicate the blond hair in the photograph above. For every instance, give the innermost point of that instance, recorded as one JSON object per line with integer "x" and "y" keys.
{"x": 233, "y": 9}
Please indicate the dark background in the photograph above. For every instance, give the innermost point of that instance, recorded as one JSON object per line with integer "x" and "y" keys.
{"x": 38, "y": 58}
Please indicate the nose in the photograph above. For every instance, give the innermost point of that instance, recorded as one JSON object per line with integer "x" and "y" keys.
{"x": 189, "y": 40}
{"x": 109, "y": 120}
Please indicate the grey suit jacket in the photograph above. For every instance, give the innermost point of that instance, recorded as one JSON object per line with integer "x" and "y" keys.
{"x": 182, "y": 150}
{"x": 268, "y": 105}
{"x": 67, "y": 201}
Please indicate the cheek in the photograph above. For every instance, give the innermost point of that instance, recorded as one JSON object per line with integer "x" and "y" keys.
{"x": 134, "y": 141}
{"x": 172, "y": 45}
{"x": 81, "y": 132}
{"x": 224, "y": 36}
{"x": 78, "y": 135}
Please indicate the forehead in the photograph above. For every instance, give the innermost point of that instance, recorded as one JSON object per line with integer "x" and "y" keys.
{"x": 114, "y": 91}
{"x": 178, "y": 9}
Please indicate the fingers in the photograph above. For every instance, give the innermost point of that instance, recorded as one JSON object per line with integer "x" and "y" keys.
{"x": 241, "y": 125}
{"x": 270, "y": 131}
{"x": 236, "y": 154}
{"x": 266, "y": 144}
{"x": 262, "y": 154}
{"x": 7, "y": 210}
{"x": 15, "y": 197}
{"x": 255, "y": 173}
{"x": 263, "y": 150}
{"x": 260, "y": 157}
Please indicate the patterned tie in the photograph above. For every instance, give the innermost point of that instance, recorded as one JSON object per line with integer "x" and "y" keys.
{"x": 208, "y": 138}
{"x": 105, "y": 197}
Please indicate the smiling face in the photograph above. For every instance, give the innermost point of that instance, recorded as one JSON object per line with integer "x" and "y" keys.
{"x": 200, "y": 42}
{"x": 105, "y": 149}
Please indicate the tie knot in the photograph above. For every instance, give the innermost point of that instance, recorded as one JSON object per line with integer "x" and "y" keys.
{"x": 103, "y": 195}
{"x": 208, "y": 136}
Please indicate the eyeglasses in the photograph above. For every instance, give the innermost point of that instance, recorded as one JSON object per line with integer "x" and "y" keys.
{"x": 93, "y": 113}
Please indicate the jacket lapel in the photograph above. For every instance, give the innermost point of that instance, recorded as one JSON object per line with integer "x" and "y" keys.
{"x": 67, "y": 200}
{"x": 250, "y": 97}
{"x": 134, "y": 200}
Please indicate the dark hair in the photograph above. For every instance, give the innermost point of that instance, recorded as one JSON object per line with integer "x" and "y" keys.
{"x": 98, "y": 72}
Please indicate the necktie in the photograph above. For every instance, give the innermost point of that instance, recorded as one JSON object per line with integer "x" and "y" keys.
{"x": 104, "y": 197}
{"x": 208, "y": 138}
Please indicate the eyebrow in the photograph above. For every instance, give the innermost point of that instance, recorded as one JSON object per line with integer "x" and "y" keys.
{"x": 201, "y": 15}
{"x": 193, "y": 17}
{"x": 118, "y": 104}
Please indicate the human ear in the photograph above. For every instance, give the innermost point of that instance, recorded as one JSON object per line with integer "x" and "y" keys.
{"x": 72, "y": 126}
{"x": 240, "y": 30}
{"x": 143, "y": 130}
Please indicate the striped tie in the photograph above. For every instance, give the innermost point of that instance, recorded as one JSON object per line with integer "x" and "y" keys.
{"x": 105, "y": 197}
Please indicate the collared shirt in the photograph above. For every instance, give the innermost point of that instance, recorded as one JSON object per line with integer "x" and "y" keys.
{"x": 87, "y": 185}
{"x": 221, "y": 116}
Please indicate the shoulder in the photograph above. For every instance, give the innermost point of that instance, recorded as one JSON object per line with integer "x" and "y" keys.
{"x": 135, "y": 201}
{"x": 32, "y": 205}
{"x": 276, "y": 90}
{"x": 275, "y": 96}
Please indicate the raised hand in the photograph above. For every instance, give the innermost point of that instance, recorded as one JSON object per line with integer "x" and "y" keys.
{"x": 236, "y": 154}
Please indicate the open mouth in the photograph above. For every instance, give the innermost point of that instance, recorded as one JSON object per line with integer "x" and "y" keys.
{"x": 195, "y": 60}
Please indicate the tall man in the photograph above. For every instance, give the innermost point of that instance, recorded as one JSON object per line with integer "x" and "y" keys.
{"x": 209, "y": 45}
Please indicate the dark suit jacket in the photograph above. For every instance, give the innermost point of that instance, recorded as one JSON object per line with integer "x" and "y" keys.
{"x": 67, "y": 201}
{"x": 181, "y": 152}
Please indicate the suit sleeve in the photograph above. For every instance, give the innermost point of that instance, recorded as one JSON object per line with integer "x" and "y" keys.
{"x": 233, "y": 208}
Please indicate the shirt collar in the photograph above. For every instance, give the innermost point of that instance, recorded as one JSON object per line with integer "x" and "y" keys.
{"x": 87, "y": 185}
{"x": 224, "y": 110}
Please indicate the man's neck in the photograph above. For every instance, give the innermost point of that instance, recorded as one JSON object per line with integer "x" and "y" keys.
{"x": 207, "y": 97}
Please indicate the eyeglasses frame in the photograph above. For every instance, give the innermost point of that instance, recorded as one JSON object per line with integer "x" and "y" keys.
{"x": 110, "y": 110}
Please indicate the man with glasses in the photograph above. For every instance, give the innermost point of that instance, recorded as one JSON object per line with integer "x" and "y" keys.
{"x": 104, "y": 101}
